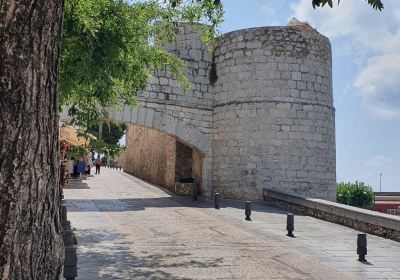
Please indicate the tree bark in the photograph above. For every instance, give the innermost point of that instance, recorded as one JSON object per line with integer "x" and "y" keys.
{"x": 31, "y": 246}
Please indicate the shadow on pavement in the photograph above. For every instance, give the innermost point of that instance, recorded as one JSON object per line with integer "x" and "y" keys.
{"x": 139, "y": 204}
{"x": 114, "y": 259}
{"x": 77, "y": 183}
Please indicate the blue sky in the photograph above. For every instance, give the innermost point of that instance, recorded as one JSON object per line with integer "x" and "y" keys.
{"x": 366, "y": 78}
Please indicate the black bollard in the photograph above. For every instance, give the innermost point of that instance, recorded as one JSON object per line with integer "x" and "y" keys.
{"x": 216, "y": 200}
{"x": 247, "y": 211}
{"x": 195, "y": 192}
{"x": 63, "y": 212}
{"x": 68, "y": 238}
{"x": 290, "y": 224}
{"x": 70, "y": 263}
{"x": 362, "y": 247}
{"x": 66, "y": 225}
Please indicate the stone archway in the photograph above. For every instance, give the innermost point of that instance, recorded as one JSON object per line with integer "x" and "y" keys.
{"x": 164, "y": 149}
{"x": 166, "y": 123}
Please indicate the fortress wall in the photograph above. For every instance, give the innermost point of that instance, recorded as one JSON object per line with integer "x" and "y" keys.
{"x": 184, "y": 113}
{"x": 268, "y": 119}
{"x": 273, "y": 119}
{"x": 150, "y": 155}
{"x": 163, "y": 93}
{"x": 160, "y": 158}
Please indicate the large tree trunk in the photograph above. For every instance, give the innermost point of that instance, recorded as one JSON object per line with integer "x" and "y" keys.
{"x": 31, "y": 246}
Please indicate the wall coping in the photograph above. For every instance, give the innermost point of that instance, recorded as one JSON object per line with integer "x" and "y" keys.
{"x": 387, "y": 193}
{"x": 354, "y": 213}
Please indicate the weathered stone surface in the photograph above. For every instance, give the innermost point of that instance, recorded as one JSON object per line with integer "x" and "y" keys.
{"x": 260, "y": 109}
{"x": 273, "y": 123}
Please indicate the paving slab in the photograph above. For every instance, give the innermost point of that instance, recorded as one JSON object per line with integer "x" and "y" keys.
{"x": 129, "y": 229}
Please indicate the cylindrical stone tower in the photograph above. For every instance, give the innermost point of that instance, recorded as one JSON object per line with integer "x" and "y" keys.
{"x": 273, "y": 119}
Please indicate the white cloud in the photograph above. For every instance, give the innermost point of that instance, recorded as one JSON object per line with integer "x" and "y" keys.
{"x": 373, "y": 38}
{"x": 271, "y": 10}
{"x": 379, "y": 161}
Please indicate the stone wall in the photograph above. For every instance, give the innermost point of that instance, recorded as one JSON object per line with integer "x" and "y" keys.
{"x": 187, "y": 109}
{"x": 264, "y": 119}
{"x": 197, "y": 168}
{"x": 160, "y": 158}
{"x": 184, "y": 162}
{"x": 150, "y": 155}
{"x": 273, "y": 115}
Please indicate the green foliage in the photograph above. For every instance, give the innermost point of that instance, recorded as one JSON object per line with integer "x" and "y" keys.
{"x": 106, "y": 149}
{"x": 111, "y": 48}
{"x": 108, "y": 146}
{"x": 76, "y": 152}
{"x": 112, "y": 131}
{"x": 355, "y": 194}
{"x": 376, "y": 4}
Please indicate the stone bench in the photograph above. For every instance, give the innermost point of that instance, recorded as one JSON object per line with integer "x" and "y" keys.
{"x": 361, "y": 219}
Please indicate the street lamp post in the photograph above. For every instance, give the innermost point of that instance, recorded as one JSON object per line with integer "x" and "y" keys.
{"x": 380, "y": 182}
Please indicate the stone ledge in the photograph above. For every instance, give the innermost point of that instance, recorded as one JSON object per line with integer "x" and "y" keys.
{"x": 361, "y": 219}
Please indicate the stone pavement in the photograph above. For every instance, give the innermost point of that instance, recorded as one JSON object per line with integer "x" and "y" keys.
{"x": 129, "y": 229}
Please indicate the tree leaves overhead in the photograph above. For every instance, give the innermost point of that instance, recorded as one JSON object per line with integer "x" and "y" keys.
{"x": 111, "y": 48}
{"x": 376, "y": 4}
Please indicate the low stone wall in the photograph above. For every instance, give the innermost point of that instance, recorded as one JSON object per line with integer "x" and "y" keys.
{"x": 368, "y": 221}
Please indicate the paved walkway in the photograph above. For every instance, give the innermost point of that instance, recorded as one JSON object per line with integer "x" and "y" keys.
{"x": 128, "y": 229}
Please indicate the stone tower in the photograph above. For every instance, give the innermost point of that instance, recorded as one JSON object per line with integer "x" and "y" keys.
{"x": 260, "y": 110}
{"x": 273, "y": 120}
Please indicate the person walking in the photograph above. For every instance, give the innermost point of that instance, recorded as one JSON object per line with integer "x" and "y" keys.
{"x": 98, "y": 164}
{"x": 81, "y": 167}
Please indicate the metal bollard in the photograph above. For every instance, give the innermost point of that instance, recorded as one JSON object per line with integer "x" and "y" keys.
{"x": 63, "y": 212}
{"x": 70, "y": 263}
{"x": 195, "y": 192}
{"x": 290, "y": 224}
{"x": 66, "y": 225}
{"x": 216, "y": 200}
{"x": 247, "y": 211}
{"x": 68, "y": 238}
{"x": 362, "y": 247}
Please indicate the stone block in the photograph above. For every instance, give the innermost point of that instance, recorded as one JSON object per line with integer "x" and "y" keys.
{"x": 184, "y": 189}
{"x": 389, "y": 221}
{"x": 134, "y": 116}
{"x": 141, "y": 116}
{"x": 367, "y": 216}
{"x": 254, "y": 45}
{"x": 126, "y": 117}
{"x": 149, "y": 118}
{"x": 196, "y": 54}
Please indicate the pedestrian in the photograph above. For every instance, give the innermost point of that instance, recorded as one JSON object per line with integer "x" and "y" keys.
{"x": 81, "y": 167}
{"x": 98, "y": 164}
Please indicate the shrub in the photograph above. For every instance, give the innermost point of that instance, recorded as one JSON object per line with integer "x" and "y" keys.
{"x": 355, "y": 194}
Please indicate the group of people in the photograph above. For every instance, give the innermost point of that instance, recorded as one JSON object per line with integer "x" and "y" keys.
{"x": 82, "y": 165}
